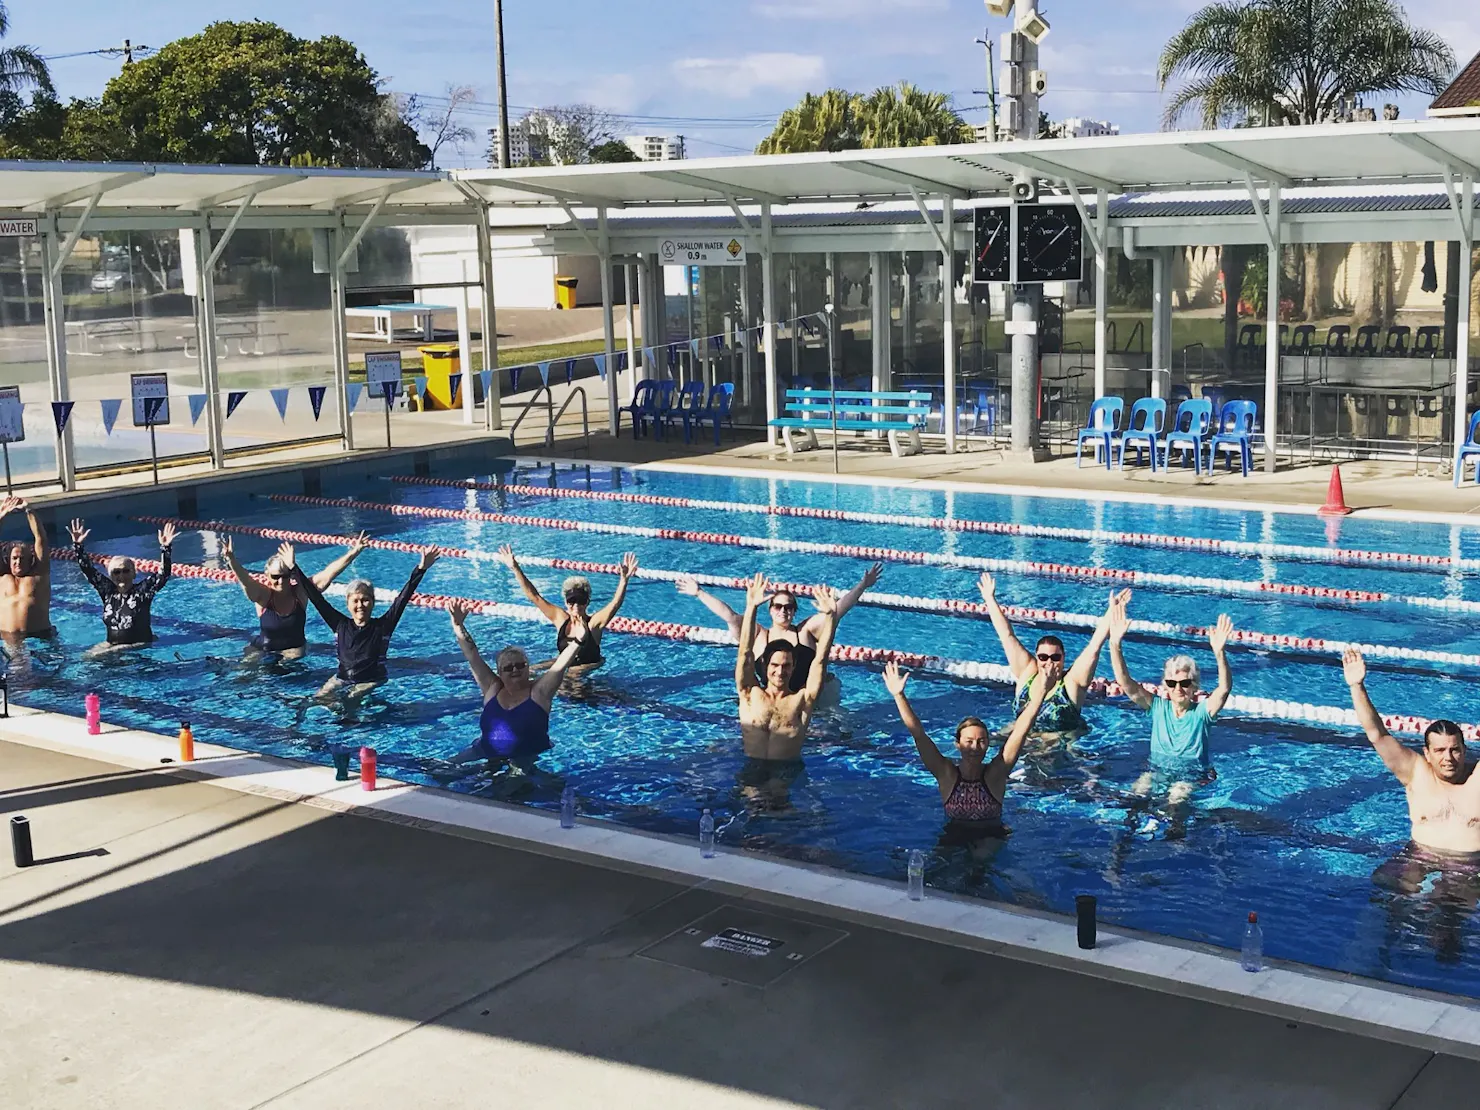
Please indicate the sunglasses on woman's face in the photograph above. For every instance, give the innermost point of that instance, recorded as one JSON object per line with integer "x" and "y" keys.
{"x": 274, "y": 577}
{"x": 1180, "y": 683}
{"x": 1045, "y": 657}
{"x": 784, "y": 606}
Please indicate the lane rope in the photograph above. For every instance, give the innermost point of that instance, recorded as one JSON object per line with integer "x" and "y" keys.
{"x": 948, "y": 606}
{"x": 971, "y": 670}
{"x": 1347, "y": 555}
{"x": 887, "y": 554}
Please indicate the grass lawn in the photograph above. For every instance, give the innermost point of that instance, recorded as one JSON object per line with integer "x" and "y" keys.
{"x": 507, "y": 356}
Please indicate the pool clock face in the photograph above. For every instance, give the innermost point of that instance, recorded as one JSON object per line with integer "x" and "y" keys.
{"x": 993, "y": 253}
{"x": 1050, "y": 243}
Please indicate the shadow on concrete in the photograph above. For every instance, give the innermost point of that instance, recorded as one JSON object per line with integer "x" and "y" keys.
{"x": 76, "y": 790}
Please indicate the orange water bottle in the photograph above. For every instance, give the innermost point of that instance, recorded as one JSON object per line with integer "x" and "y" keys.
{"x": 187, "y": 743}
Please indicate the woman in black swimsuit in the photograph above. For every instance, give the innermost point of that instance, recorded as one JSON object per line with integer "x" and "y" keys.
{"x": 577, "y": 594}
{"x": 282, "y": 608}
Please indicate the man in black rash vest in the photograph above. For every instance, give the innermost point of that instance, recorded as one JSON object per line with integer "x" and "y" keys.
{"x": 362, "y": 640}
{"x": 576, "y": 615}
{"x": 127, "y": 598}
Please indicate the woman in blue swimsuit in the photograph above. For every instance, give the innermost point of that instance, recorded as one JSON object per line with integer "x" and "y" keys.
{"x": 282, "y": 608}
{"x": 514, "y": 726}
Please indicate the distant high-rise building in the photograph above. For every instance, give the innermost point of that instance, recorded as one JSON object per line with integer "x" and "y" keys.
{"x": 656, "y": 148}
{"x": 1077, "y": 128}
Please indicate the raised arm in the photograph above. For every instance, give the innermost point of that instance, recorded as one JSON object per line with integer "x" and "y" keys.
{"x": 1218, "y": 641}
{"x": 341, "y": 564}
{"x": 488, "y": 682}
{"x": 609, "y": 610}
{"x": 1077, "y": 681}
{"x": 332, "y": 616}
{"x": 755, "y": 597}
{"x": 553, "y": 613}
{"x": 1019, "y": 659}
{"x": 153, "y": 583}
{"x": 392, "y": 615}
{"x": 256, "y": 592}
{"x": 1120, "y": 623}
{"x": 847, "y": 600}
{"x": 1398, "y": 759}
{"x": 96, "y": 578}
{"x": 731, "y": 618}
{"x": 544, "y": 690}
{"x": 937, "y": 764}
{"x": 1013, "y": 746}
{"x": 38, "y": 533}
{"x": 827, "y": 608}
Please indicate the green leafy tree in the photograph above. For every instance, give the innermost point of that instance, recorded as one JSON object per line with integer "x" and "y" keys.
{"x": 893, "y": 116}
{"x": 613, "y": 150}
{"x": 826, "y": 121}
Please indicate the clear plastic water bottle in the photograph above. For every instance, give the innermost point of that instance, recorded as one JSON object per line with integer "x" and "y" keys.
{"x": 568, "y": 807}
{"x": 706, "y": 835}
{"x": 915, "y": 870}
{"x": 1252, "y": 958}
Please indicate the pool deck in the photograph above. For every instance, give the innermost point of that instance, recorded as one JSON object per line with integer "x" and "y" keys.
{"x": 411, "y": 947}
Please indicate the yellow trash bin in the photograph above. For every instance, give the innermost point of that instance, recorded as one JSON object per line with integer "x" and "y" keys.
{"x": 565, "y": 291}
{"x": 439, "y": 361}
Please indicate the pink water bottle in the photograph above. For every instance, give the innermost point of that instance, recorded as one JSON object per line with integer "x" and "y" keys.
{"x": 367, "y": 768}
{"x": 94, "y": 725}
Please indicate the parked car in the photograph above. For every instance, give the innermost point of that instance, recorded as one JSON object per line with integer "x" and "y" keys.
{"x": 109, "y": 281}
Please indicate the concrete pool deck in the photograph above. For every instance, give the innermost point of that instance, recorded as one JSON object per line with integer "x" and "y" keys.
{"x": 382, "y": 962}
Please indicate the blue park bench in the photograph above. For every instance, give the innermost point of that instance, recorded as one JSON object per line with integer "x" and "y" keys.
{"x": 810, "y": 411}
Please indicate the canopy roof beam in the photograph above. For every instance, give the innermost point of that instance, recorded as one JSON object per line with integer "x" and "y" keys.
{"x": 64, "y": 250}
{"x": 929, "y": 220}
{"x": 1461, "y": 203}
{"x": 586, "y": 235}
{"x": 1436, "y": 154}
{"x": 230, "y": 229}
{"x": 91, "y": 193}
{"x": 1091, "y": 227}
{"x": 1264, "y": 216}
{"x": 378, "y": 197}
{"x": 1053, "y": 171}
{"x": 354, "y": 240}
{"x": 1229, "y": 160}
{"x": 740, "y": 217}
{"x": 241, "y": 192}
{"x": 910, "y": 180}
{"x": 723, "y": 189}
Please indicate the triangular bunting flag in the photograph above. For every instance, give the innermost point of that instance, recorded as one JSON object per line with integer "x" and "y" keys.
{"x": 694, "y": 346}
{"x": 388, "y": 390}
{"x": 570, "y": 370}
{"x": 672, "y": 354}
{"x": 352, "y": 391}
{"x": 486, "y": 376}
{"x": 600, "y": 361}
{"x": 280, "y": 399}
{"x": 152, "y": 405}
{"x": 453, "y": 381}
{"x": 648, "y": 358}
{"x": 514, "y": 378}
{"x": 110, "y": 414}
{"x": 421, "y": 388}
{"x": 621, "y": 361}
{"x": 316, "y": 398}
{"x": 717, "y": 342}
{"x": 197, "y": 406}
{"x": 233, "y": 399}
{"x": 61, "y": 412}
{"x": 544, "y": 373}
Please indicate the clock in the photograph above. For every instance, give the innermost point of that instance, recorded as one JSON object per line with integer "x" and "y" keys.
{"x": 1050, "y": 243}
{"x": 993, "y": 251}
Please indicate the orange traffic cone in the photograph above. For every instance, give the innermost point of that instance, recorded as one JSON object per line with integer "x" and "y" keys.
{"x": 1335, "y": 499}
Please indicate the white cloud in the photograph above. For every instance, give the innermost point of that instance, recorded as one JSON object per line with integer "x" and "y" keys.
{"x": 845, "y": 9}
{"x": 739, "y": 77}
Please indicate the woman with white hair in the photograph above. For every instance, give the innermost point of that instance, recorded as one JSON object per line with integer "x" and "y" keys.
{"x": 514, "y": 726}
{"x": 127, "y": 598}
{"x": 575, "y": 624}
{"x": 282, "y": 606}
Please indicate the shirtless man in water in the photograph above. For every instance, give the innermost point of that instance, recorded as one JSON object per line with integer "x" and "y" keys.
{"x": 25, "y": 578}
{"x": 773, "y": 718}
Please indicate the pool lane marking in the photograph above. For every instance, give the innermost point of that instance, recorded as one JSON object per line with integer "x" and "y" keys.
{"x": 947, "y": 606}
{"x": 888, "y": 554}
{"x": 971, "y": 670}
{"x": 1351, "y": 556}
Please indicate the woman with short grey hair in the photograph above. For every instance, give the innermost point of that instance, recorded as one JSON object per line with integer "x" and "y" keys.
{"x": 282, "y": 606}
{"x": 575, "y": 624}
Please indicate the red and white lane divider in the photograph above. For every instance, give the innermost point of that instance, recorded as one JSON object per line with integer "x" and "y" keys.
{"x": 1348, "y": 555}
{"x": 970, "y": 670}
{"x": 907, "y": 602}
{"x": 888, "y": 554}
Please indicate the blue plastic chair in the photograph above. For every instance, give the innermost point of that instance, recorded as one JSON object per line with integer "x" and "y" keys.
{"x": 1143, "y": 426}
{"x": 983, "y": 409}
{"x": 1471, "y": 447}
{"x": 642, "y": 408}
{"x": 1235, "y": 430}
{"x": 721, "y": 396}
{"x": 1189, "y": 433}
{"x": 1101, "y": 427}
{"x": 662, "y": 406}
{"x": 690, "y": 400}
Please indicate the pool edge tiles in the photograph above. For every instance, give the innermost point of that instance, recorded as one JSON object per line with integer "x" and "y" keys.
{"x": 1348, "y": 1003}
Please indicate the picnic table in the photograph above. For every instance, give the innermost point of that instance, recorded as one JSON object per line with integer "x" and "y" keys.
{"x": 386, "y": 321}
{"x": 242, "y": 329}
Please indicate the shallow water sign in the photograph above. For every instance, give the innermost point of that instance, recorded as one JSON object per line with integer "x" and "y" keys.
{"x": 743, "y": 945}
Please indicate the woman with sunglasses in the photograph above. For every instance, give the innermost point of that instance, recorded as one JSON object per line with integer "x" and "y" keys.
{"x": 282, "y": 606}
{"x": 574, "y": 624}
{"x": 1181, "y": 725}
{"x": 514, "y": 726}
{"x": 800, "y": 640}
{"x": 127, "y": 598}
{"x": 1063, "y": 699}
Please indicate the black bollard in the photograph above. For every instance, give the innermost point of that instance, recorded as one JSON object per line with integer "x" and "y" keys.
{"x": 20, "y": 841}
{"x": 1084, "y": 908}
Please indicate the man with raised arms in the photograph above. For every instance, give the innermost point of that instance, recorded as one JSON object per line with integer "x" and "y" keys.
{"x": 25, "y": 578}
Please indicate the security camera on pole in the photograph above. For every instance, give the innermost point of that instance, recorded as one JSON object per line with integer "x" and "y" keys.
{"x": 1022, "y": 84}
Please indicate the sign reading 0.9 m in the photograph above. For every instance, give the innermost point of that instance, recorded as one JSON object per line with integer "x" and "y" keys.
{"x": 702, "y": 252}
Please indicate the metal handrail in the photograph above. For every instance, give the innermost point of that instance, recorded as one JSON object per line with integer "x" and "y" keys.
{"x": 1138, "y": 337}
{"x": 549, "y": 408}
{"x": 585, "y": 420}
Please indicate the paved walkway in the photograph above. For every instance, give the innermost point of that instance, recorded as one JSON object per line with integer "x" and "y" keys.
{"x": 190, "y": 946}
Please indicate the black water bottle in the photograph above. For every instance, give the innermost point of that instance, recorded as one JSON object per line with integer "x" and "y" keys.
{"x": 20, "y": 841}
{"x": 1084, "y": 910}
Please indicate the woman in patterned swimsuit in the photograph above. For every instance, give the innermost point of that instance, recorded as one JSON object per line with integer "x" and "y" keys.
{"x": 127, "y": 598}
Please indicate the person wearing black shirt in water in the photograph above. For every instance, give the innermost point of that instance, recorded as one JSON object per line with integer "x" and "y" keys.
{"x": 361, "y": 639}
{"x": 127, "y": 599}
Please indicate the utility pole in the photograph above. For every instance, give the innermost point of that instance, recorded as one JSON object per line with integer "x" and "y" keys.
{"x": 503, "y": 87}
{"x": 990, "y": 92}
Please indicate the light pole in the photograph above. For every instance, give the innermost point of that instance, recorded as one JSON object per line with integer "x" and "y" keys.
{"x": 503, "y": 88}
{"x": 990, "y": 92}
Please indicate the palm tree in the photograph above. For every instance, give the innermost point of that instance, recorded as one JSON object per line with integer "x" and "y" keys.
{"x": 21, "y": 68}
{"x": 904, "y": 115}
{"x": 825, "y": 122}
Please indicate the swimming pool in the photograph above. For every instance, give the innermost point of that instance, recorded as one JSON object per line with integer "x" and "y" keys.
{"x": 1298, "y": 819}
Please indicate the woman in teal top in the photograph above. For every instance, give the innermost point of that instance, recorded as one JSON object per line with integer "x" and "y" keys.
{"x": 1180, "y": 723}
{"x": 1061, "y": 715}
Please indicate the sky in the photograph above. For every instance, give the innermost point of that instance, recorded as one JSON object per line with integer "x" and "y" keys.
{"x": 716, "y": 71}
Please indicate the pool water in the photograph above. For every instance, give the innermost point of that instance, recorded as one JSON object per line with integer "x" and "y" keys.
{"x": 1294, "y": 826}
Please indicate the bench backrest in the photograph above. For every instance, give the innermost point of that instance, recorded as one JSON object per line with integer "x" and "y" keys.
{"x": 853, "y": 404}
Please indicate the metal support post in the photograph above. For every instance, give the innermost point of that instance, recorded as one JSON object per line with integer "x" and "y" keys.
{"x": 747, "y": 347}
{"x": 493, "y": 415}
{"x": 629, "y": 291}
{"x": 608, "y": 325}
{"x": 1102, "y": 282}
{"x": 948, "y": 319}
{"x": 1462, "y": 326}
{"x": 1272, "y": 336}
{"x": 56, "y": 343}
{"x": 464, "y": 345}
{"x": 1159, "y": 295}
{"x": 206, "y": 320}
{"x": 341, "y": 340}
{"x": 768, "y": 316}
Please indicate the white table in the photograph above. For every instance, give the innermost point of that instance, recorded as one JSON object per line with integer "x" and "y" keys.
{"x": 386, "y": 320}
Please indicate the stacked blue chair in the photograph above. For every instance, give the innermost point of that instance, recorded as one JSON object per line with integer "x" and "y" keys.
{"x": 644, "y": 407}
{"x": 1190, "y": 433}
{"x": 721, "y": 396}
{"x": 1235, "y": 432}
{"x": 690, "y": 400}
{"x": 1471, "y": 448}
{"x": 662, "y": 408}
{"x": 1148, "y": 417}
{"x": 1101, "y": 427}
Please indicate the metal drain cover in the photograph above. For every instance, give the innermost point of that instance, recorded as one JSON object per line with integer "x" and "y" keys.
{"x": 743, "y": 945}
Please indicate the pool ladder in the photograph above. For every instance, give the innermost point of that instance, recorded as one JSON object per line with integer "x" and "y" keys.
{"x": 553, "y": 415}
